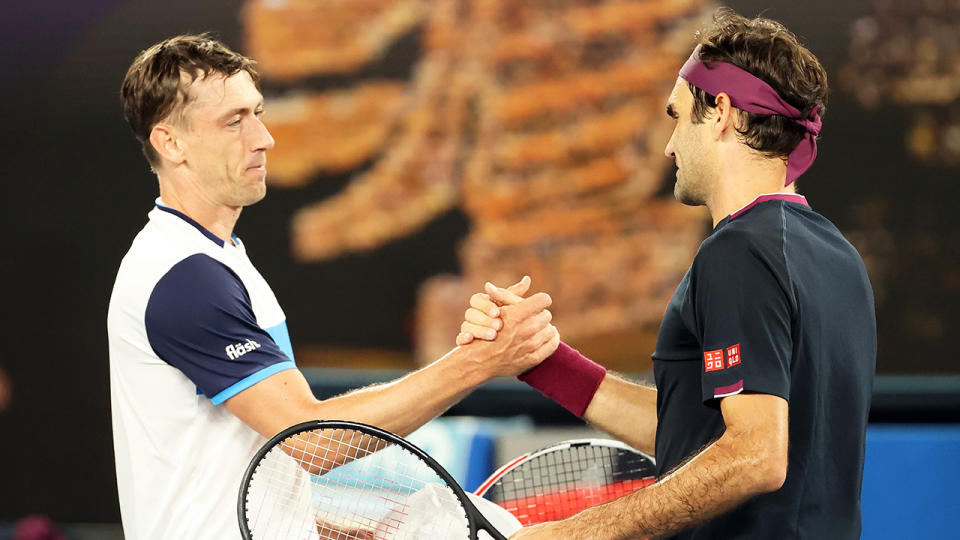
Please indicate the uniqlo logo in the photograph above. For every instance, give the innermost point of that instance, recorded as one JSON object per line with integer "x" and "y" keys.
{"x": 733, "y": 355}
{"x": 713, "y": 360}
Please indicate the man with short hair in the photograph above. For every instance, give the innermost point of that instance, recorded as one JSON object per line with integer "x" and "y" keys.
{"x": 201, "y": 363}
{"x": 766, "y": 353}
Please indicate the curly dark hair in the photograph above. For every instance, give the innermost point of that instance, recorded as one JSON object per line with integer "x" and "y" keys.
{"x": 769, "y": 51}
{"x": 153, "y": 89}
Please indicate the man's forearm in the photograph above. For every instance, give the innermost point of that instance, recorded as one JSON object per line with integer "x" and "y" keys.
{"x": 626, "y": 410}
{"x": 400, "y": 406}
{"x": 409, "y": 402}
{"x": 403, "y": 405}
{"x": 724, "y": 475}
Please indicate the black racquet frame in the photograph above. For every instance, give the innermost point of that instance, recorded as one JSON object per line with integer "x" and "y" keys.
{"x": 475, "y": 519}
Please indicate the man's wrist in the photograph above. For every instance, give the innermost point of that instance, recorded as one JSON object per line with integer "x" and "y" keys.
{"x": 467, "y": 368}
{"x": 567, "y": 377}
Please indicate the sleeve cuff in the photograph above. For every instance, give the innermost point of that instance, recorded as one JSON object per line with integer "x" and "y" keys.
{"x": 250, "y": 380}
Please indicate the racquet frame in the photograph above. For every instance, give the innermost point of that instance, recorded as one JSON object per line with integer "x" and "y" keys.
{"x": 519, "y": 461}
{"x": 474, "y": 517}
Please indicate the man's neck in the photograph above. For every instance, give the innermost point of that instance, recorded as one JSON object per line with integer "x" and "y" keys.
{"x": 216, "y": 218}
{"x": 742, "y": 181}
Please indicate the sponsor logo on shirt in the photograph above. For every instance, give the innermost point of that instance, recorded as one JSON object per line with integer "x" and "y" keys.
{"x": 239, "y": 349}
{"x": 713, "y": 360}
{"x": 733, "y": 355}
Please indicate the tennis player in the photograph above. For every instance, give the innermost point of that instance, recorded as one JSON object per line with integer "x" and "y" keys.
{"x": 201, "y": 363}
{"x": 766, "y": 354}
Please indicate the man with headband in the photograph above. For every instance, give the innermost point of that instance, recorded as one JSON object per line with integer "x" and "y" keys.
{"x": 765, "y": 358}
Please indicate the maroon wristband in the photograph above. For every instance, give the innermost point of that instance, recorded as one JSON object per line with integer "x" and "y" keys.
{"x": 567, "y": 377}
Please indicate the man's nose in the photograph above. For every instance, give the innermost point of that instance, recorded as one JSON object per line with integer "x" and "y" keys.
{"x": 263, "y": 140}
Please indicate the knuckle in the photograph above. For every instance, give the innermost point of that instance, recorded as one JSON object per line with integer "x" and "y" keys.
{"x": 530, "y": 329}
{"x": 522, "y": 332}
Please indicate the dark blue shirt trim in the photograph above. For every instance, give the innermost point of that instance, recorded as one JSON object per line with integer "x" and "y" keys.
{"x": 187, "y": 218}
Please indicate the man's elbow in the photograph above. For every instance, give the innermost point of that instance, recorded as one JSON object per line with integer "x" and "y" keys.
{"x": 771, "y": 472}
{"x": 772, "y": 478}
{"x": 763, "y": 463}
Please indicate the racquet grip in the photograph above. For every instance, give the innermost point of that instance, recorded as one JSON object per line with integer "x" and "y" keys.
{"x": 567, "y": 377}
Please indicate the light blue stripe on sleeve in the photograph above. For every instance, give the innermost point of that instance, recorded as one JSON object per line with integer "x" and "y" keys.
{"x": 250, "y": 380}
{"x": 281, "y": 336}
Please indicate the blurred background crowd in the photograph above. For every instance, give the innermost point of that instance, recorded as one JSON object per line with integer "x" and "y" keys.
{"x": 424, "y": 147}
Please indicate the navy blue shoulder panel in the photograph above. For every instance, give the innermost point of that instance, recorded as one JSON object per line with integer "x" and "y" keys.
{"x": 199, "y": 319}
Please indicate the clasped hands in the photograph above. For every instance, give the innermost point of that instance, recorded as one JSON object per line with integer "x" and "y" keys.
{"x": 516, "y": 329}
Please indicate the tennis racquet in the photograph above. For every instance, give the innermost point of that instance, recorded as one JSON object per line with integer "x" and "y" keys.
{"x": 560, "y": 480}
{"x": 350, "y": 481}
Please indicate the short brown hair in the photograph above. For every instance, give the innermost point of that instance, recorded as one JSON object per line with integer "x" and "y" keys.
{"x": 769, "y": 51}
{"x": 152, "y": 89}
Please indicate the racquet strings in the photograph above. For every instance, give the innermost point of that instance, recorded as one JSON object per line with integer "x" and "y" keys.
{"x": 347, "y": 485}
{"x": 560, "y": 483}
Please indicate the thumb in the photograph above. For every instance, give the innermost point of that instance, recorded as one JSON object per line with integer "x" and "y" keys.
{"x": 521, "y": 287}
{"x": 503, "y": 297}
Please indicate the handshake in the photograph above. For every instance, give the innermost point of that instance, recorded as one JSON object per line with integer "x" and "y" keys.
{"x": 513, "y": 335}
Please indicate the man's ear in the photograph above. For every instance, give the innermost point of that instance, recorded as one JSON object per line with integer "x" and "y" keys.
{"x": 166, "y": 143}
{"x": 725, "y": 119}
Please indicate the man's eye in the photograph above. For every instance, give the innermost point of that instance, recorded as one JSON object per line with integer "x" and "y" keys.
{"x": 235, "y": 122}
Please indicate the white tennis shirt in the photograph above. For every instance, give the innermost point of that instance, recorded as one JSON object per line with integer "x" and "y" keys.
{"x": 191, "y": 323}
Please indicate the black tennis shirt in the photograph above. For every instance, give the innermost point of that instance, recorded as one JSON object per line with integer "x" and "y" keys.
{"x": 776, "y": 302}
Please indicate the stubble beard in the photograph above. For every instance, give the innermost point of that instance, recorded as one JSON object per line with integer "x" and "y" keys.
{"x": 251, "y": 195}
{"x": 243, "y": 192}
{"x": 690, "y": 192}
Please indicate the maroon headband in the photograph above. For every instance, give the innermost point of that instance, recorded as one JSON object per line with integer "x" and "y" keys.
{"x": 748, "y": 93}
